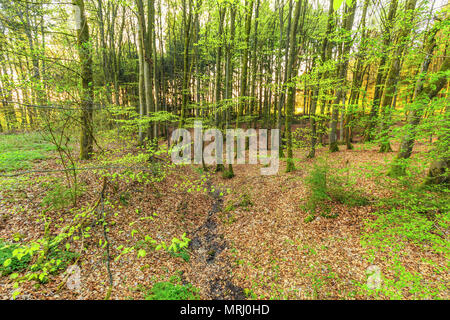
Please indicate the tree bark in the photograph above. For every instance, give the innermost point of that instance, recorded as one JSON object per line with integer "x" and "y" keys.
{"x": 87, "y": 95}
{"x": 348, "y": 23}
{"x": 290, "y": 166}
{"x": 392, "y": 78}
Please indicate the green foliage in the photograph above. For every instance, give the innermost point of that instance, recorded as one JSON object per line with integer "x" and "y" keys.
{"x": 227, "y": 174}
{"x": 317, "y": 182}
{"x": 320, "y": 277}
{"x": 16, "y": 258}
{"x": 172, "y": 290}
{"x": 417, "y": 216}
{"x": 309, "y": 218}
{"x": 245, "y": 200}
{"x": 61, "y": 196}
{"x": 55, "y": 261}
{"x": 181, "y": 253}
{"x": 176, "y": 244}
{"x": 19, "y": 150}
{"x": 340, "y": 192}
{"x": 150, "y": 169}
{"x": 250, "y": 294}
{"x": 10, "y": 263}
{"x": 326, "y": 186}
{"x": 229, "y": 207}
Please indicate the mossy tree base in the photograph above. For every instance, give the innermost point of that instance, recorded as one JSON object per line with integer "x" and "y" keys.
{"x": 290, "y": 165}
{"x": 334, "y": 147}
{"x": 385, "y": 147}
{"x": 349, "y": 146}
{"x": 439, "y": 173}
{"x": 228, "y": 174}
{"x": 311, "y": 154}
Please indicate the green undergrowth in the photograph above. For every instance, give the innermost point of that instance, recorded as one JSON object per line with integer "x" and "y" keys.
{"x": 18, "y": 151}
{"x": 327, "y": 187}
{"x": 413, "y": 217}
{"x": 60, "y": 196}
{"x": 12, "y": 262}
{"x": 173, "y": 289}
{"x": 181, "y": 253}
{"x": 14, "y": 265}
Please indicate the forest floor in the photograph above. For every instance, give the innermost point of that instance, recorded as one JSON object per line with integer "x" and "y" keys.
{"x": 251, "y": 236}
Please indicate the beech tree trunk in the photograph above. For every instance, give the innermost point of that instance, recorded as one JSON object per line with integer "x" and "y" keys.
{"x": 87, "y": 94}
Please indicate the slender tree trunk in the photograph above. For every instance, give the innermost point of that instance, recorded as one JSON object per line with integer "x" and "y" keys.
{"x": 229, "y": 78}
{"x": 390, "y": 86}
{"x": 243, "y": 92}
{"x": 140, "y": 48}
{"x": 218, "y": 80}
{"x": 380, "y": 79}
{"x": 187, "y": 17}
{"x": 291, "y": 73}
{"x": 254, "y": 60}
{"x": 315, "y": 94}
{"x": 340, "y": 94}
{"x": 422, "y": 96}
{"x": 87, "y": 95}
{"x": 357, "y": 80}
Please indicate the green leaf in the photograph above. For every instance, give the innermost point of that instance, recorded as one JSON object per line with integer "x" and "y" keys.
{"x": 142, "y": 253}
{"x": 15, "y": 294}
{"x": 7, "y": 262}
{"x": 337, "y": 4}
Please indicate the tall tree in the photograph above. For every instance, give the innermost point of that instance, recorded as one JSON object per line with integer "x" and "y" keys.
{"x": 342, "y": 73}
{"x": 229, "y": 76}
{"x": 248, "y": 8}
{"x": 358, "y": 76}
{"x": 381, "y": 73}
{"x": 315, "y": 95}
{"x": 187, "y": 19}
{"x": 87, "y": 95}
{"x": 390, "y": 86}
{"x": 291, "y": 73}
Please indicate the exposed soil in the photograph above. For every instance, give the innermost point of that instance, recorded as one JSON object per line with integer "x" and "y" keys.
{"x": 208, "y": 244}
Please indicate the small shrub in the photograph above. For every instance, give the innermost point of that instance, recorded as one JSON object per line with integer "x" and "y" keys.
{"x": 340, "y": 192}
{"x": 124, "y": 198}
{"x": 230, "y": 207}
{"x": 65, "y": 256}
{"x": 181, "y": 253}
{"x": 317, "y": 182}
{"x": 227, "y": 174}
{"x": 61, "y": 196}
{"x": 245, "y": 200}
{"x": 6, "y": 253}
{"x": 54, "y": 261}
{"x": 309, "y": 218}
{"x": 326, "y": 186}
{"x": 172, "y": 290}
